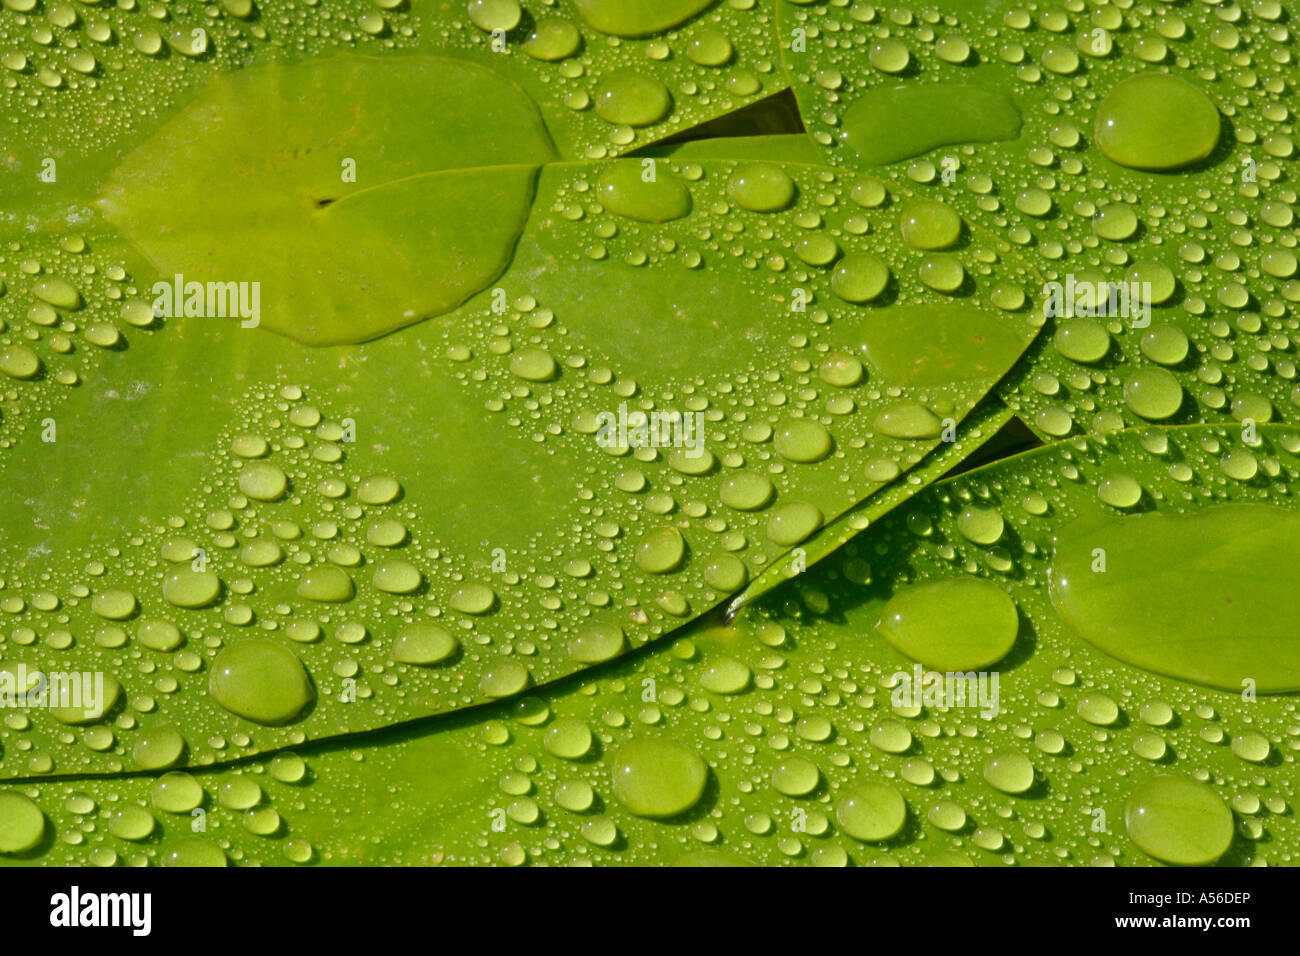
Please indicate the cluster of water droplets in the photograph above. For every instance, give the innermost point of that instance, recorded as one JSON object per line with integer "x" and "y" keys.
{"x": 623, "y": 74}
{"x": 64, "y": 304}
{"x": 1151, "y": 146}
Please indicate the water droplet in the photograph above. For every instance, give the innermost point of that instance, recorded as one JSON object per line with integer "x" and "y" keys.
{"x": 655, "y": 777}
{"x": 709, "y": 48}
{"x": 963, "y": 624}
{"x": 946, "y": 815}
{"x": 423, "y": 644}
{"x": 802, "y": 440}
{"x": 188, "y": 588}
{"x": 889, "y": 56}
{"x": 1153, "y": 393}
{"x": 193, "y": 852}
{"x": 22, "y": 824}
{"x": 1166, "y": 344}
{"x": 624, "y": 190}
{"x": 114, "y": 604}
{"x": 942, "y": 273}
{"x": 378, "y": 490}
{"x": 79, "y": 714}
{"x": 1098, "y": 709}
{"x": 159, "y": 635}
{"x": 131, "y": 823}
{"x": 637, "y": 18}
{"x": 1009, "y": 772}
{"x": 871, "y": 811}
{"x": 1119, "y": 490}
{"x": 790, "y": 523}
{"x": 1115, "y": 221}
{"x": 568, "y": 738}
{"x": 177, "y": 792}
{"x": 263, "y": 481}
{"x": 158, "y": 748}
{"x": 631, "y": 99}
{"x": 1156, "y": 121}
{"x": 326, "y": 583}
{"x": 261, "y": 681}
{"x": 859, "y": 277}
{"x": 1166, "y": 604}
{"x": 981, "y": 525}
{"x": 746, "y": 491}
{"x": 761, "y": 187}
{"x": 552, "y": 38}
{"x": 492, "y": 15}
{"x": 595, "y": 643}
{"x": 725, "y": 676}
{"x": 397, "y": 577}
{"x": 58, "y": 293}
{"x": 796, "y": 776}
{"x": 504, "y": 679}
{"x": 907, "y": 420}
{"x": 660, "y": 551}
{"x": 473, "y": 598}
{"x": 1178, "y": 820}
{"x": 926, "y": 224}
{"x": 18, "y": 361}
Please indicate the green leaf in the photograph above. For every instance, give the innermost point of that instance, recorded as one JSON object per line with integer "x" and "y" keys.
{"x": 616, "y": 544}
{"x": 577, "y": 75}
{"x": 975, "y": 434}
{"x": 318, "y": 189}
{"x": 383, "y": 525}
{"x": 1151, "y": 149}
{"x": 801, "y": 711}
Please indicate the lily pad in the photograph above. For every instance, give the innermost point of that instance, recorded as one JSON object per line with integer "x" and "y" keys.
{"x": 313, "y": 164}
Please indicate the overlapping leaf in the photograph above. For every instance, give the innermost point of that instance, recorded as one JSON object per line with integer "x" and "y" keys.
{"x": 792, "y": 736}
{"x": 418, "y": 484}
{"x": 1007, "y": 111}
{"x": 534, "y": 533}
{"x": 86, "y": 86}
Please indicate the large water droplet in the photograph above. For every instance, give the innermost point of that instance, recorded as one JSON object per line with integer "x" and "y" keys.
{"x": 963, "y": 624}
{"x": 595, "y": 643}
{"x": 637, "y": 18}
{"x": 185, "y": 587}
{"x": 326, "y": 583}
{"x": 423, "y": 644}
{"x": 656, "y": 777}
{"x": 624, "y": 189}
{"x": 1156, "y": 121}
{"x": 261, "y": 681}
{"x": 660, "y": 551}
{"x": 632, "y": 99}
{"x": 1196, "y": 596}
{"x": 22, "y": 824}
{"x": 871, "y": 811}
{"x": 926, "y": 224}
{"x": 887, "y": 124}
{"x": 1178, "y": 820}
{"x": 761, "y": 187}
